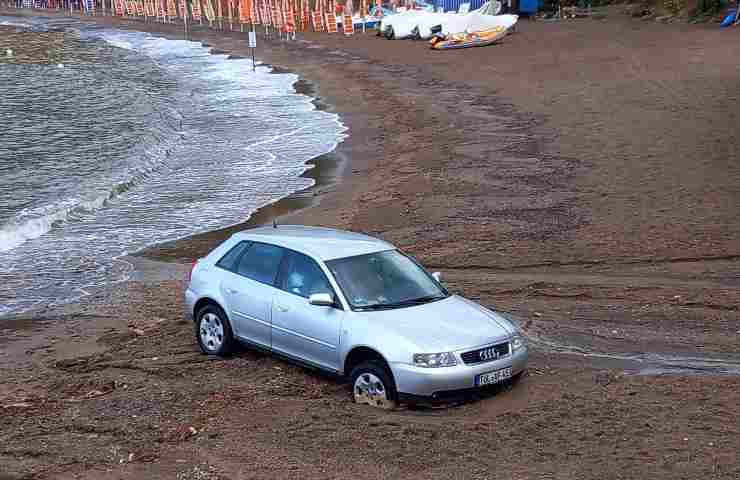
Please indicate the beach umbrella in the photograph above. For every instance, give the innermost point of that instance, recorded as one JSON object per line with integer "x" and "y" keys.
{"x": 243, "y": 11}
{"x": 231, "y": 14}
{"x": 209, "y": 11}
{"x": 197, "y": 11}
{"x": 306, "y": 13}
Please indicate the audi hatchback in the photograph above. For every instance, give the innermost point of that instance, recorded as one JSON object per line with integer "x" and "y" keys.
{"x": 352, "y": 305}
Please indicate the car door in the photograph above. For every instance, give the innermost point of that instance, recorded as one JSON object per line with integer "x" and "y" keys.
{"x": 249, "y": 288}
{"x": 299, "y": 329}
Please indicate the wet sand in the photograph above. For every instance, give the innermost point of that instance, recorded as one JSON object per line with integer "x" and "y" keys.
{"x": 581, "y": 176}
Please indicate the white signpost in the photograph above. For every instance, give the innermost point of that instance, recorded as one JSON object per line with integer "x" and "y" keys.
{"x": 253, "y": 45}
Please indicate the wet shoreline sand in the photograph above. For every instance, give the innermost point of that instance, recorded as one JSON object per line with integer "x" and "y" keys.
{"x": 574, "y": 176}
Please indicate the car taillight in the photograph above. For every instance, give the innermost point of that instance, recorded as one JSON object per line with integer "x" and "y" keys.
{"x": 190, "y": 272}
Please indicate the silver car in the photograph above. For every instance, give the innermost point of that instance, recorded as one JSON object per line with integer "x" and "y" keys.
{"x": 352, "y": 305}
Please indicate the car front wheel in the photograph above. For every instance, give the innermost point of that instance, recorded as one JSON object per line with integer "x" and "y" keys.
{"x": 213, "y": 331}
{"x": 372, "y": 384}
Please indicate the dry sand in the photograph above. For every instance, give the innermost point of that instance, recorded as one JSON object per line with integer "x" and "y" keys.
{"x": 581, "y": 175}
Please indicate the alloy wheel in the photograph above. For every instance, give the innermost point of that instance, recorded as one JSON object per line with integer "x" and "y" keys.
{"x": 211, "y": 332}
{"x": 369, "y": 389}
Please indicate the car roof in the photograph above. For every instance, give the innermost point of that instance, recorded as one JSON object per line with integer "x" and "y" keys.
{"x": 321, "y": 243}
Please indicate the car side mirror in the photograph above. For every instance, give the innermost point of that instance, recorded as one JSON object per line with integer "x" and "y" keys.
{"x": 437, "y": 276}
{"x": 321, "y": 300}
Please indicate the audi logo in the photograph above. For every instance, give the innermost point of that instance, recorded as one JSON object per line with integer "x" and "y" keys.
{"x": 488, "y": 354}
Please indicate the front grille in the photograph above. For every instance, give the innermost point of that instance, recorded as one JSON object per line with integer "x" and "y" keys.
{"x": 486, "y": 354}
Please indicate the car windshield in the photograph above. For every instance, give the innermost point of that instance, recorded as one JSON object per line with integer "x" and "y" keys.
{"x": 384, "y": 280}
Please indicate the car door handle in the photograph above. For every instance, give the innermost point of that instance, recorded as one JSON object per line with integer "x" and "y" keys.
{"x": 282, "y": 308}
{"x": 231, "y": 291}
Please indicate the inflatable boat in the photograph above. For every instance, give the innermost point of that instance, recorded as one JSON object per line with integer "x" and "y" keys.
{"x": 467, "y": 40}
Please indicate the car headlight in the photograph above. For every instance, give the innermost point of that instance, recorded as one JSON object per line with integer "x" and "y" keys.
{"x": 518, "y": 341}
{"x": 434, "y": 360}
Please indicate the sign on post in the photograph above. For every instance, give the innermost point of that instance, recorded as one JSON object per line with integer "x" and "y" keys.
{"x": 253, "y": 45}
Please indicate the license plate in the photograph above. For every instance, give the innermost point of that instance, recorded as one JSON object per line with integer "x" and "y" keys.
{"x": 493, "y": 377}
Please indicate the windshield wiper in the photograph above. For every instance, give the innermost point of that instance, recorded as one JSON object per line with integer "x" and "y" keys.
{"x": 405, "y": 303}
{"x": 376, "y": 306}
{"x": 420, "y": 300}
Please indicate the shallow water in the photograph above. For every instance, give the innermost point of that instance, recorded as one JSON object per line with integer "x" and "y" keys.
{"x": 114, "y": 140}
{"x": 642, "y": 363}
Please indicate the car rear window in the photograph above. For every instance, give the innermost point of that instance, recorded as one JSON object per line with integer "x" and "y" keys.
{"x": 229, "y": 261}
{"x": 261, "y": 262}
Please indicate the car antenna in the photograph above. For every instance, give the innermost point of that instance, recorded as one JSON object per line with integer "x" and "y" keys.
{"x": 274, "y": 223}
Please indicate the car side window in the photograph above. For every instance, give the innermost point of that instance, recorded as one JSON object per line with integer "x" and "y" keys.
{"x": 304, "y": 277}
{"x": 261, "y": 263}
{"x": 229, "y": 260}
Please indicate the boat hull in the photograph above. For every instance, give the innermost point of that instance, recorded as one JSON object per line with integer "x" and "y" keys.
{"x": 469, "y": 40}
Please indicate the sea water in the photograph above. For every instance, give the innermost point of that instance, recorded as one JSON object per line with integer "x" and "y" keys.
{"x": 111, "y": 141}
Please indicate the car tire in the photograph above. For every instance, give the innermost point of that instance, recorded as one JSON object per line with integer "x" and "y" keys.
{"x": 372, "y": 384}
{"x": 213, "y": 331}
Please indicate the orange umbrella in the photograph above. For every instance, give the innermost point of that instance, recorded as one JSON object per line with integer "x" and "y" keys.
{"x": 243, "y": 11}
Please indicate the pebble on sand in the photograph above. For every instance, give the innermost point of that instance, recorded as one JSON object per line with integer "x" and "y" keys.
{"x": 9, "y": 52}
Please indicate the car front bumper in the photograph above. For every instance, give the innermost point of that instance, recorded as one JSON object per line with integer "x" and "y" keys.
{"x": 433, "y": 383}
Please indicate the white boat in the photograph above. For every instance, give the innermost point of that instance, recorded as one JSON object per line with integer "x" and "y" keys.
{"x": 369, "y": 21}
{"x": 424, "y": 24}
{"x": 477, "y": 22}
{"x": 427, "y": 23}
{"x": 401, "y": 25}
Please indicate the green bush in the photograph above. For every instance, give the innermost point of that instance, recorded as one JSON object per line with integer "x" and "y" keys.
{"x": 708, "y": 6}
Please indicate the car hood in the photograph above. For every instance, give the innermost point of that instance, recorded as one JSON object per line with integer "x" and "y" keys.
{"x": 454, "y": 323}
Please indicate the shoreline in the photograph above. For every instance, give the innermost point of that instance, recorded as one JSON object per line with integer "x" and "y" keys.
{"x": 324, "y": 170}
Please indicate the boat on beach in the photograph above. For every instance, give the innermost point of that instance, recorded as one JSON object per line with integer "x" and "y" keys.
{"x": 424, "y": 24}
{"x": 474, "y": 30}
{"x": 467, "y": 40}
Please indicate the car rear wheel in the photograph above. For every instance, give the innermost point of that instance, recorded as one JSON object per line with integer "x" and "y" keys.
{"x": 372, "y": 384}
{"x": 213, "y": 331}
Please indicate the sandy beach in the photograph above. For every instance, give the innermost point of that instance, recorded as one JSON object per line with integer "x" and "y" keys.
{"x": 581, "y": 175}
